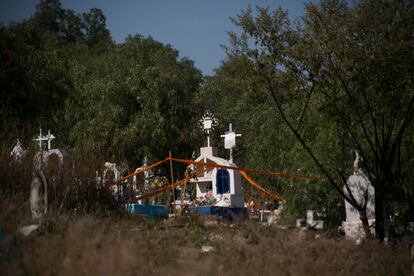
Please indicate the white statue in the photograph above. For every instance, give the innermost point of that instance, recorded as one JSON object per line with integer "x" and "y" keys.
{"x": 358, "y": 163}
{"x": 38, "y": 196}
{"x": 38, "y": 191}
{"x": 364, "y": 193}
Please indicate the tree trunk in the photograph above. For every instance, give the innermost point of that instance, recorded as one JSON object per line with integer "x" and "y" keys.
{"x": 380, "y": 216}
{"x": 365, "y": 224}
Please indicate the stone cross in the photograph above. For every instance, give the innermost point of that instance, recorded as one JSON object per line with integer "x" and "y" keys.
{"x": 230, "y": 140}
{"x": 49, "y": 137}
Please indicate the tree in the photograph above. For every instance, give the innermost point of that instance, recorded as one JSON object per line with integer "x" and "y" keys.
{"x": 33, "y": 80}
{"x": 235, "y": 95}
{"x": 136, "y": 101}
{"x": 71, "y": 27}
{"x": 351, "y": 63}
{"x": 95, "y": 28}
{"x": 48, "y": 15}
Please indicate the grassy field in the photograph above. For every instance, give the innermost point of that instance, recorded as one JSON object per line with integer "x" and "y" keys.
{"x": 119, "y": 244}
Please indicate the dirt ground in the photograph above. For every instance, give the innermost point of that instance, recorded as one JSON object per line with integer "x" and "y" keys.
{"x": 127, "y": 245}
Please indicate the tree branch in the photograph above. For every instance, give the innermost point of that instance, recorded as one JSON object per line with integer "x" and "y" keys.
{"x": 305, "y": 146}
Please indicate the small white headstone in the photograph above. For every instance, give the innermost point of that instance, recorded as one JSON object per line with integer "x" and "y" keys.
{"x": 18, "y": 150}
{"x": 309, "y": 216}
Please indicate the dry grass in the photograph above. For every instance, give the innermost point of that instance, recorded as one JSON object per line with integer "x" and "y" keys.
{"x": 96, "y": 245}
{"x": 100, "y": 240}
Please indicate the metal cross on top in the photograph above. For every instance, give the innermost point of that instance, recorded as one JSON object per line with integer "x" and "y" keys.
{"x": 49, "y": 137}
{"x": 208, "y": 122}
{"x": 230, "y": 140}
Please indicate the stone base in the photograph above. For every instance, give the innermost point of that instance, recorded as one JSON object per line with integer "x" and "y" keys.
{"x": 354, "y": 230}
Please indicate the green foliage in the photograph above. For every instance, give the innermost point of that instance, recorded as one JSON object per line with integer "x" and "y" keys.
{"x": 33, "y": 80}
{"x": 340, "y": 78}
{"x": 115, "y": 102}
{"x": 137, "y": 101}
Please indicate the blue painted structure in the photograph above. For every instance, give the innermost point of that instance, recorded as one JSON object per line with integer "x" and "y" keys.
{"x": 148, "y": 210}
{"x": 228, "y": 213}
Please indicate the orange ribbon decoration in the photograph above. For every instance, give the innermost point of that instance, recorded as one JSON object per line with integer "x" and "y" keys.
{"x": 243, "y": 172}
{"x": 166, "y": 188}
{"x": 305, "y": 177}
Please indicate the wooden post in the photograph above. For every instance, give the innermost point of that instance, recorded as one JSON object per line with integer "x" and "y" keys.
{"x": 182, "y": 196}
{"x": 172, "y": 178}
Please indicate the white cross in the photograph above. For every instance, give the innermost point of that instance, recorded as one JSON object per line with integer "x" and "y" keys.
{"x": 49, "y": 137}
{"x": 230, "y": 140}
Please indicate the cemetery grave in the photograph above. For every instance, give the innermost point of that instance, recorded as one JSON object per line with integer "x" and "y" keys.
{"x": 215, "y": 184}
{"x": 303, "y": 167}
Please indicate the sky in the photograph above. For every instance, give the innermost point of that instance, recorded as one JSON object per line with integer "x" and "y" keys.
{"x": 196, "y": 28}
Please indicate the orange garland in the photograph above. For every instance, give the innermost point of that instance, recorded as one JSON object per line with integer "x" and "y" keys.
{"x": 243, "y": 172}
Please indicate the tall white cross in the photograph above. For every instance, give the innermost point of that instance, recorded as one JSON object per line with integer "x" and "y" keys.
{"x": 49, "y": 137}
{"x": 230, "y": 140}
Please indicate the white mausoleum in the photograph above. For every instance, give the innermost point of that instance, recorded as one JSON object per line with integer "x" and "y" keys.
{"x": 222, "y": 184}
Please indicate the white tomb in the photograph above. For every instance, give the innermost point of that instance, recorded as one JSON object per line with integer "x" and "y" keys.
{"x": 108, "y": 179}
{"x": 42, "y": 157}
{"x": 364, "y": 193}
{"x": 221, "y": 186}
{"x": 39, "y": 186}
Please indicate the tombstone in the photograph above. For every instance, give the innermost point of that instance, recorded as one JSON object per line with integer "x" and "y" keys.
{"x": 18, "y": 150}
{"x": 142, "y": 179}
{"x": 312, "y": 222}
{"x": 364, "y": 193}
{"x": 42, "y": 161}
{"x": 220, "y": 186}
{"x": 142, "y": 183}
{"x": 39, "y": 185}
{"x": 38, "y": 196}
{"x": 112, "y": 169}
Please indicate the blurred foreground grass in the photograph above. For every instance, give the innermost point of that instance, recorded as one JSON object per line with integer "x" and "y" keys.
{"x": 99, "y": 239}
{"x": 126, "y": 245}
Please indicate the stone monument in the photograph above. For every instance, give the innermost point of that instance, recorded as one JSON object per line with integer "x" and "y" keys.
{"x": 364, "y": 193}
